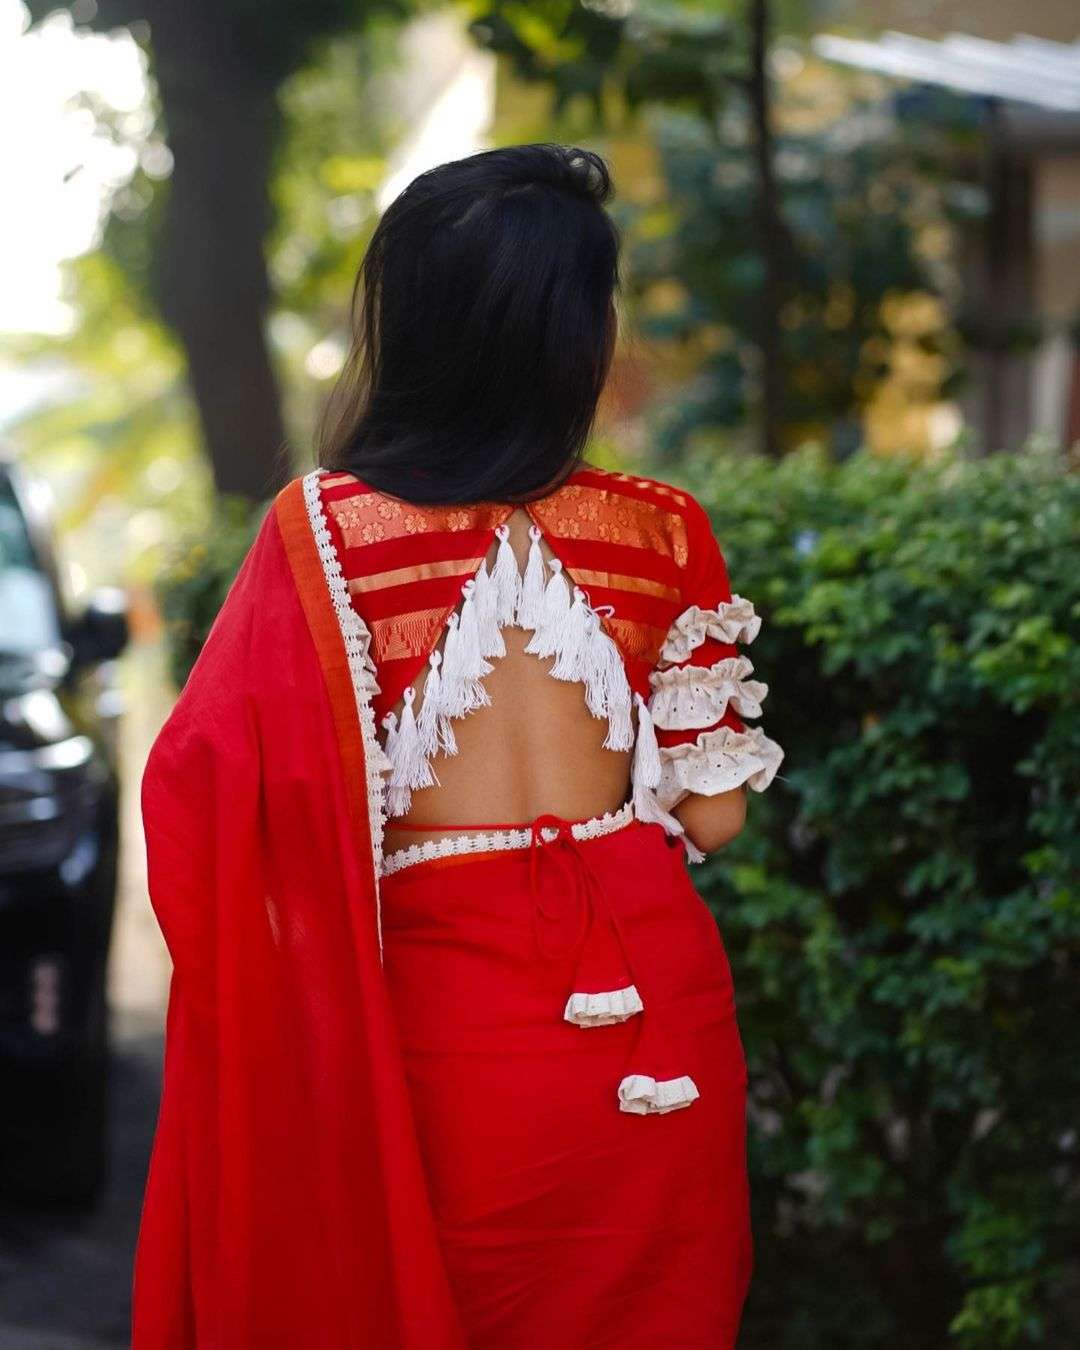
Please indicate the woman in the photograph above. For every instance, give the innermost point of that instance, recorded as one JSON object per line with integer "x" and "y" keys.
{"x": 452, "y": 1056}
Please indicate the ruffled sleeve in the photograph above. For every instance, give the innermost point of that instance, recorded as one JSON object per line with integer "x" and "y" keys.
{"x": 703, "y": 686}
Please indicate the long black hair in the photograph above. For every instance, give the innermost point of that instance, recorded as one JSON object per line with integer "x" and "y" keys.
{"x": 483, "y": 329}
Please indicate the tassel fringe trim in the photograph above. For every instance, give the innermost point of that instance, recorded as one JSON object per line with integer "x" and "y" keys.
{"x": 641, "y": 1095}
{"x": 602, "y": 1010}
{"x": 564, "y": 626}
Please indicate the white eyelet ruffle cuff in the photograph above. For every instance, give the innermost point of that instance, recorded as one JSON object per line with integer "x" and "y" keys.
{"x": 641, "y": 1095}
{"x": 687, "y": 697}
{"x": 732, "y": 620}
{"x": 716, "y": 762}
{"x": 602, "y": 1010}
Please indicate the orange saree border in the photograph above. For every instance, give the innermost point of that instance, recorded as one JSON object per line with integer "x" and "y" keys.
{"x": 290, "y": 510}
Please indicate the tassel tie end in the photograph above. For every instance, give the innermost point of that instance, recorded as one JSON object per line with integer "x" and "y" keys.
{"x": 640, "y": 1095}
{"x": 602, "y": 955}
{"x": 603, "y": 1009}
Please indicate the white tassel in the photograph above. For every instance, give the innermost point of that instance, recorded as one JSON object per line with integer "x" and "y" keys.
{"x": 505, "y": 580}
{"x": 531, "y": 596}
{"x": 620, "y": 725}
{"x": 554, "y": 612}
{"x": 645, "y": 774}
{"x": 573, "y": 646}
{"x": 390, "y": 739}
{"x": 428, "y": 722}
{"x": 607, "y": 690}
{"x": 693, "y": 853}
{"x": 435, "y": 728}
{"x": 594, "y": 671}
{"x": 473, "y": 665}
{"x": 451, "y": 695}
{"x": 398, "y": 796}
{"x": 647, "y": 766}
{"x": 411, "y": 767}
{"x": 463, "y": 663}
{"x": 487, "y": 622}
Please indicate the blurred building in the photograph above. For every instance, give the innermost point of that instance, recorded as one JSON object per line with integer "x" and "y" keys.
{"x": 1021, "y": 266}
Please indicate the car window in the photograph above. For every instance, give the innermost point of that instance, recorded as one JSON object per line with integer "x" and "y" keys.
{"x": 28, "y": 617}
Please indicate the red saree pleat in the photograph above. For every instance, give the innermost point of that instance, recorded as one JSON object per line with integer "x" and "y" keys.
{"x": 287, "y": 1204}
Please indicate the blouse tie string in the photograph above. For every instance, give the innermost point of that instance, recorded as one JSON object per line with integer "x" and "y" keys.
{"x": 587, "y": 890}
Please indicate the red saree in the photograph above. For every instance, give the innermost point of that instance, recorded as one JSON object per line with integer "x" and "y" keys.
{"x": 286, "y": 1204}
{"x": 439, "y": 1142}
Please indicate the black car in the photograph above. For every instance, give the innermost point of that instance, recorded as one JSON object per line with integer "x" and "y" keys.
{"x": 58, "y": 859}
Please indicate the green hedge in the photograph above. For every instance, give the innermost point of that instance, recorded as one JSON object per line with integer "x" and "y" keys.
{"x": 902, "y": 911}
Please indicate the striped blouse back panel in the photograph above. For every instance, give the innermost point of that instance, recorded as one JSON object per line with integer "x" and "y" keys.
{"x": 622, "y": 539}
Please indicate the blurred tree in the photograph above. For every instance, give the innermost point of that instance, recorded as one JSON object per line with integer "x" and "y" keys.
{"x": 121, "y": 445}
{"x": 694, "y": 56}
{"x": 778, "y": 242}
{"x": 859, "y": 200}
{"x": 218, "y": 69}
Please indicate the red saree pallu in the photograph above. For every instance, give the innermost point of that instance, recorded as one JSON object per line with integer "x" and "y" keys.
{"x": 286, "y": 1207}
{"x": 557, "y": 1006}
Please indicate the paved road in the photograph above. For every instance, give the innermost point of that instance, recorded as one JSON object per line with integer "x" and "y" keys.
{"x": 65, "y": 1279}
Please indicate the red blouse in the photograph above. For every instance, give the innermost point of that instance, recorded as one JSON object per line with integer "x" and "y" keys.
{"x": 643, "y": 552}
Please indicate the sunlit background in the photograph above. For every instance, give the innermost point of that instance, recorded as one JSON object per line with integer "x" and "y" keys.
{"x": 852, "y": 231}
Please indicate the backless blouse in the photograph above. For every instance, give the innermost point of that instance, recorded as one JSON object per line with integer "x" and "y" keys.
{"x": 635, "y": 603}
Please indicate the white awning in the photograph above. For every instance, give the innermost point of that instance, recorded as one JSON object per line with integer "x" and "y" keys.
{"x": 1026, "y": 70}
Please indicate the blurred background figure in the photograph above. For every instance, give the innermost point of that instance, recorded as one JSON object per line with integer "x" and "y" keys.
{"x": 852, "y": 327}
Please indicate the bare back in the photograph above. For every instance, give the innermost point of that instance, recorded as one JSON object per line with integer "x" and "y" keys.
{"x": 536, "y": 749}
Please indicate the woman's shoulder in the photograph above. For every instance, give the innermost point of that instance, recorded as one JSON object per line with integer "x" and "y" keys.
{"x": 628, "y": 507}
{"x": 665, "y": 496}
{"x": 586, "y": 479}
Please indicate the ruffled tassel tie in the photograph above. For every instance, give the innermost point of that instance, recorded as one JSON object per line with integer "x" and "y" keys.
{"x": 655, "y": 1080}
{"x": 605, "y": 991}
{"x": 642, "y": 1095}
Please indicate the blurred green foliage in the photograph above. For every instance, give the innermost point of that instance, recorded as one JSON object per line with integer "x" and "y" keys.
{"x": 860, "y": 208}
{"x": 192, "y": 586}
{"x": 856, "y": 196}
{"x": 903, "y": 911}
{"x": 122, "y": 447}
{"x": 691, "y": 55}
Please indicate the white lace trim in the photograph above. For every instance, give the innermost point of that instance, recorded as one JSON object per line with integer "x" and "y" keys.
{"x": 717, "y": 761}
{"x": 644, "y": 1096}
{"x": 732, "y": 620}
{"x": 356, "y": 638}
{"x": 564, "y": 626}
{"x": 687, "y": 697}
{"x": 500, "y": 841}
{"x": 603, "y": 1009}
